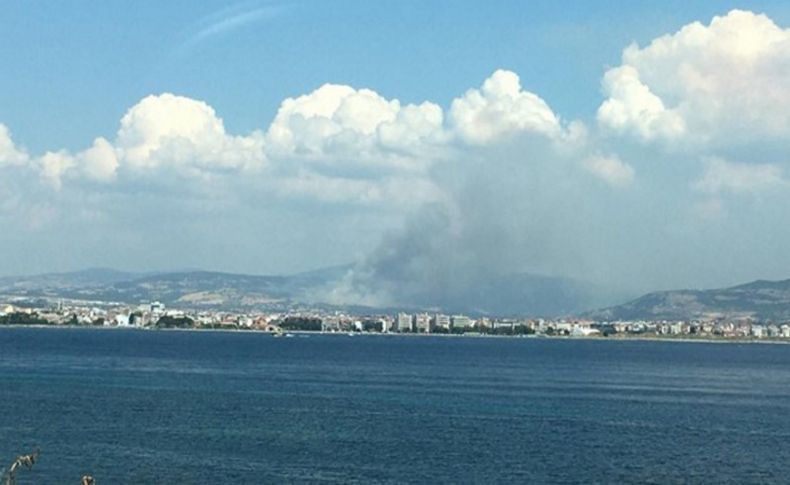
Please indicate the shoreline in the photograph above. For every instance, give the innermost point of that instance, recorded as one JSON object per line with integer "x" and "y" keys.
{"x": 616, "y": 338}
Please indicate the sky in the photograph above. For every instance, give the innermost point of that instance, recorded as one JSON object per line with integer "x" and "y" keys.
{"x": 638, "y": 145}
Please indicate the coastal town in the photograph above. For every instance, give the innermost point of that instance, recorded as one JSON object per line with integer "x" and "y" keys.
{"x": 155, "y": 315}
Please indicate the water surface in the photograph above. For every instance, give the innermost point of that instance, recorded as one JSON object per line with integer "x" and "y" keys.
{"x": 135, "y": 407}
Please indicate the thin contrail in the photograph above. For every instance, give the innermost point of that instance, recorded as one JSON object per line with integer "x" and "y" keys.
{"x": 227, "y": 20}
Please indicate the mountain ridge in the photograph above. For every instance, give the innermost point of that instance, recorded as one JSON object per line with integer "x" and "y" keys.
{"x": 759, "y": 299}
{"x": 513, "y": 294}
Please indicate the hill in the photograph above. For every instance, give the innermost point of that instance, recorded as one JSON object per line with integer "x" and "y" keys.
{"x": 516, "y": 294}
{"x": 764, "y": 300}
{"x": 185, "y": 288}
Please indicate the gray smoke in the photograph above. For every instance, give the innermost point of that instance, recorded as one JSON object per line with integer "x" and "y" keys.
{"x": 504, "y": 239}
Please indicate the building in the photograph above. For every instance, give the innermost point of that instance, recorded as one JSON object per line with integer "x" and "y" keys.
{"x": 504, "y": 324}
{"x": 157, "y": 308}
{"x": 422, "y": 323}
{"x": 330, "y": 324}
{"x": 441, "y": 322}
{"x": 583, "y": 330}
{"x": 244, "y": 321}
{"x": 403, "y": 323}
{"x": 461, "y": 321}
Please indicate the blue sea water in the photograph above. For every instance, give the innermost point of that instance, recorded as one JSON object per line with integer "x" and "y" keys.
{"x": 168, "y": 407}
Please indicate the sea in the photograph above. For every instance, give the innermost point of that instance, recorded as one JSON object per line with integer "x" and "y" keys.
{"x": 196, "y": 407}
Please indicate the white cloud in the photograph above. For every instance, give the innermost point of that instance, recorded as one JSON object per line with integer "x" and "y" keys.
{"x": 721, "y": 176}
{"x": 610, "y": 169}
{"x": 10, "y": 154}
{"x": 99, "y": 162}
{"x": 340, "y": 144}
{"x": 336, "y": 144}
{"x": 169, "y": 130}
{"x": 633, "y": 108}
{"x": 399, "y": 192}
{"x": 718, "y": 84}
{"x": 501, "y": 108}
{"x": 54, "y": 165}
{"x": 340, "y": 124}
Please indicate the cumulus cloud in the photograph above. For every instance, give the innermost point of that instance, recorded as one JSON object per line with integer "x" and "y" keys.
{"x": 168, "y": 130}
{"x": 610, "y": 169}
{"x": 162, "y": 132}
{"x": 10, "y": 154}
{"x": 501, "y": 108}
{"x": 100, "y": 161}
{"x": 721, "y": 176}
{"x": 334, "y": 144}
{"x": 54, "y": 165}
{"x": 493, "y": 184}
{"x": 344, "y": 125}
{"x": 717, "y": 84}
{"x": 633, "y": 108}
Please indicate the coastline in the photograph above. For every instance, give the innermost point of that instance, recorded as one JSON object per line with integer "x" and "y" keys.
{"x": 611, "y": 338}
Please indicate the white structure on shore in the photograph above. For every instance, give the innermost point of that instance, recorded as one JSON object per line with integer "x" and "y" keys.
{"x": 403, "y": 323}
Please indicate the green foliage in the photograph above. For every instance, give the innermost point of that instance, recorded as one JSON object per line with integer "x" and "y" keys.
{"x": 301, "y": 323}
{"x": 372, "y": 326}
{"x": 168, "y": 321}
{"x": 21, "y": 318}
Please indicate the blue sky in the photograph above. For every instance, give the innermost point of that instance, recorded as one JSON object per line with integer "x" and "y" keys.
{"x": 73, "y": 68}
{"x": 460, "y": 139}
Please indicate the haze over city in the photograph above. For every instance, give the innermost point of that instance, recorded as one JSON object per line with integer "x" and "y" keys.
{"x": 631, "y": 146}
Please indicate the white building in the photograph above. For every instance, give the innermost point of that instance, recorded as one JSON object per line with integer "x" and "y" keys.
{"x": 580, "y": 330}
{"x": 245, "y": 321}
{"x": 441, "y": 321}
{"x": 461, "y": 321}
{"x": 403, "y": 323}
{"x": 157, "y": 308}
{"x": 330, "y": 324}
{"x": 422, "y": 323}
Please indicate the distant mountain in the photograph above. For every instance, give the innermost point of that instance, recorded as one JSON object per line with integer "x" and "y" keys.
{"x": 516, "y": 294}
{"x": 519, "y": 294}
{"x": 74, "y": 279}
{"x": 760, "y": 299}
{"x": 186, "y": 288}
